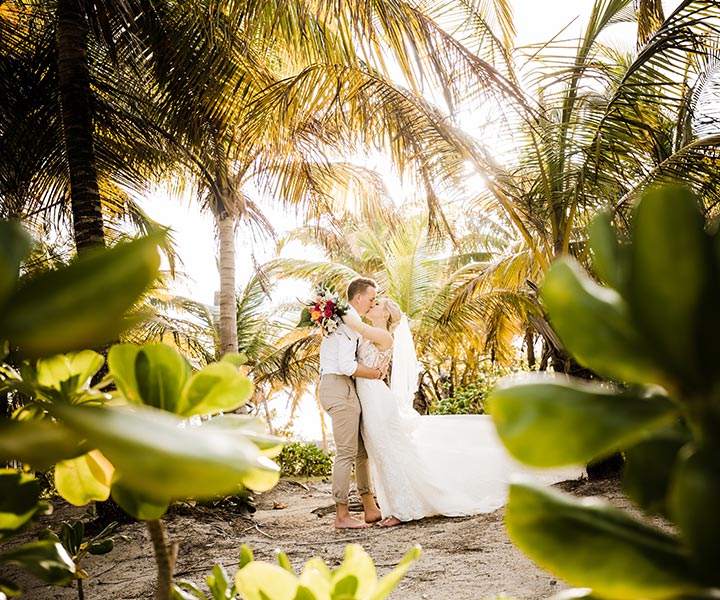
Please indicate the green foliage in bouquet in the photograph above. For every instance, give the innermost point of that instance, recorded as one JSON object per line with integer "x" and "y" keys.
{"x": 354, "y": 579}
{"x": 654, "y": 327}
{"x": 304, "y": 460}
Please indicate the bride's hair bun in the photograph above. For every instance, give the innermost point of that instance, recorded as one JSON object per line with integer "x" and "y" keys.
{"x": 394, "y": 314}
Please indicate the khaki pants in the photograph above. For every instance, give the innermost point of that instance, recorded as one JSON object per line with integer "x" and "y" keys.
{"x": 339, "y": 399}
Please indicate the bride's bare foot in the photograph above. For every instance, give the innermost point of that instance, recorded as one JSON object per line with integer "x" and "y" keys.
{"x": 390, "y": 522}
{"x": 349, "y": 523}
{"x": 372, "y": 516}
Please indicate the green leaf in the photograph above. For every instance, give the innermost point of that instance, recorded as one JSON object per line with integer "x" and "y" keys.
{"x": 186, "y": 590}
{"x": 15, "y": 245}
{"x": 594, "y": 324}
{"x": 38, "y": 442}
{"x": 388, "y": 582}
{"x": 218, "y": 583}
{"x": 157, "y": 455}
{"x": 237, "y": 359}
{"x": 121, "y": 366}
{"x": 46, "y": 560}
{"x": 8, "y": 589}
{"x": 137, "y": 504}
{"x": 693, "y": 505}
{"x": 82, "y": 305}
{"x": 102, "y": 547}
{"x": 610, "y": 259}
{"x": 246, "y": 556}
{"x": 248, "y": 428}
{"x": 284, "y": 561}
{"x": 532, "y": 412}
{"x": 305, "y": 319}
{"x": 591, "y": 544}
{"x": 314, "y": 581}
{"x": 161, "y": 373}
{"x": 648, "y": 465}
{"x": 70, "y": 373}
{"x": 19, "y": 500}
{"x": 670, "y": 263}
{"x": 84, "y": 479}
{"x": 356, "y": 574}
{"x": 216, "y": 387}
{"x": 260, "y": 581}
{"x": 305, "y": 593}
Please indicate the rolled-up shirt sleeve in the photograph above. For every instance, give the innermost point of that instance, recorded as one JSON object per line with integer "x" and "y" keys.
{"x": 347, "y": 363}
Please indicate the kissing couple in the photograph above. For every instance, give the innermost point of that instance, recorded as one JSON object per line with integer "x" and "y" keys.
{"x": 416, "y": 465}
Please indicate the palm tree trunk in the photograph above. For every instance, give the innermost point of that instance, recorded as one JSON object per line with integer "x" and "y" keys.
{"x": 228, "y": 300}
{"x": 76, "y": 105}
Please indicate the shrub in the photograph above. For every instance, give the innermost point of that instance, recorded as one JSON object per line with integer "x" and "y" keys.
{"x": 299, "y": 459}
{"x": 467, "y": 400}
{"x": 655, "y": 328}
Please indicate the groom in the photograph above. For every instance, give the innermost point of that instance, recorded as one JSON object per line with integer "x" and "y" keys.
{"x": 338, "y": 366}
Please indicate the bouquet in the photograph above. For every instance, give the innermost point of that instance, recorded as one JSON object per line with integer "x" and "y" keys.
{"x": 324, "y": 311}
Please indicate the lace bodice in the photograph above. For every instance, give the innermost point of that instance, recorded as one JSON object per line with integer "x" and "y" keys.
{"x": 370, "y": 356}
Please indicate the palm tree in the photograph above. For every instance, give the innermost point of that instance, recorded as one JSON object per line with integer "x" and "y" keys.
{"x": 609, "y": 126}
{"x": 416, "y": 269}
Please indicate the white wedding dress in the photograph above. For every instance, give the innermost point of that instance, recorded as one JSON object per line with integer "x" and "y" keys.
{"x": 422, "y": 465}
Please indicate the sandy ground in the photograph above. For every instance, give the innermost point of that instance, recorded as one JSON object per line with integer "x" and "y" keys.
{"x": 463, "y": 558}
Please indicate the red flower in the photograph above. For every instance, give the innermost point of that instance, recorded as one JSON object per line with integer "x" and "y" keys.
{"x": 328, "y": 312}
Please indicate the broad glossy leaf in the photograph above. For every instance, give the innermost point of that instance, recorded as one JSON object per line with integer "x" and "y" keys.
{"x": 249, "y": 428}
{"x": 356, "y": 570}
{"x": 75, "y": 369}
{"x": 216, "y": 387}
{"x": 161, "y": 373}
{"x": 154, "y": 455}
{"x": 46, "y": 559}
{"x": 610, "y": 259}
{"x": 260, "y": 581}
{"x": 15, "y": 245}
{"x": 121, "y": 364}
{"x": 137, "y": 504}
{"x": 82, "y": 305}
{"x": 648, "y": 465}
{"x": 671, "y": 262}
{"x": 19, "y": 500}
{"x": 591, "y": 544}
{"x": 693, "y": 505}
{"x": 315, "y": 579}
{"x": 84, "y": 479}
{"x": 548, "y": 421}
{"x": 101, "y": 547}
{"x": 388, "y": 582}
{"x": 594, "y": 324}
{"x": 38, "y": 442}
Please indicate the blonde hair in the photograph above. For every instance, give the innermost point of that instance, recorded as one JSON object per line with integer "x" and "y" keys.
{"x": 394, "y": 314}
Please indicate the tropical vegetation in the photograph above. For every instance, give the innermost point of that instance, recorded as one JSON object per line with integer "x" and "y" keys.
{"x": 641, "y": 327}
{"x": 495, "y": 160}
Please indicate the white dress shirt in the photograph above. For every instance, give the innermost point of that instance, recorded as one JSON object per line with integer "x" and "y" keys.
{"x": 338, "y": 350}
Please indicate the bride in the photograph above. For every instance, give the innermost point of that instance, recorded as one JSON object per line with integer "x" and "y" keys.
{"x": 448, "y": 465}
